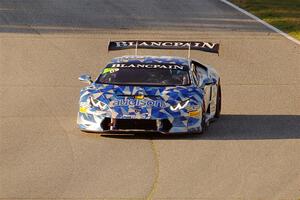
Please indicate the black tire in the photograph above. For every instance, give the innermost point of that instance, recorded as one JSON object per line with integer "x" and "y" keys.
{"x": 219, "y": 101}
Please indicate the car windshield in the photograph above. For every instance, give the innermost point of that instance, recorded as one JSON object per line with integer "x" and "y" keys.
{"x": 168, "y": 75}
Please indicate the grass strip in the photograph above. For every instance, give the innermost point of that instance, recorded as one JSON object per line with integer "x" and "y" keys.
{"x": 283, "y": 14}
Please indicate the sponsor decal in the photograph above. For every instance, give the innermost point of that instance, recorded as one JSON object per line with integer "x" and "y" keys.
{"x": 110, "y": 70}
{"x": 149, "y": 66}
{"x": 138, "y": 102}
{"x": 139, "y": 116}
{"x": 203, "y": 46}
{"x": 179, "y": 105}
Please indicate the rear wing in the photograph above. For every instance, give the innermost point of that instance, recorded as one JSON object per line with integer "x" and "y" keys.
{"x": 135, "y": 44}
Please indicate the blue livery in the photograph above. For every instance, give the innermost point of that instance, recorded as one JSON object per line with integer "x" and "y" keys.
{"x": 152, "y": 94}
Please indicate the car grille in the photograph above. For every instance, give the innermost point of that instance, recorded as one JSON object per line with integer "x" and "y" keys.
{"x": 136, "y": 124}
{"x": 129, "y": 124}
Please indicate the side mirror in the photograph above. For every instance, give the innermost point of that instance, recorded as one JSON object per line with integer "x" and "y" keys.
{"x": 207, "y": 82}
{"x": 86, "y": 78}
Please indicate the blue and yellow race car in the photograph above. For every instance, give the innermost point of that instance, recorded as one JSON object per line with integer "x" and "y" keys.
{"x": 151, "y": 93}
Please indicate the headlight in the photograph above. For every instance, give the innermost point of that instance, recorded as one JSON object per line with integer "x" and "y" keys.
{"x": 97, "y": 103}
{"x": 180, "y": 105}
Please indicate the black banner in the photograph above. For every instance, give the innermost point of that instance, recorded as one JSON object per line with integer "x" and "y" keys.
{"x": 132, "y": 44}
{"x": 149, "y": 66}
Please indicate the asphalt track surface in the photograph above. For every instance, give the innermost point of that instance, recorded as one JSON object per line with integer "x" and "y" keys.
{"x": 252, "y": 152}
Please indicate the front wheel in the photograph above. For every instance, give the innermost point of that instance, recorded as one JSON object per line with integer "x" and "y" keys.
{"x": 219, "y": 101}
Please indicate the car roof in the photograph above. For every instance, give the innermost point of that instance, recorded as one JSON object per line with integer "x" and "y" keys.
{"x": 151, "y": 60}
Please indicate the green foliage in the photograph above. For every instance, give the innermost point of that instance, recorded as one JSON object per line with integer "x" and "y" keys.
{"x": 283, "y": 14}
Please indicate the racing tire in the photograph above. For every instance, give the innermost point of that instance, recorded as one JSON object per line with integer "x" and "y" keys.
{"x": 219, "y": 101}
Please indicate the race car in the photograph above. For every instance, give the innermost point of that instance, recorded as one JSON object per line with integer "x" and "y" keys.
{"x": 164, "y": 94}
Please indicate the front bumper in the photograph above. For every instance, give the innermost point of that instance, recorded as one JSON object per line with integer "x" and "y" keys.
{"x": 100, "y": 123}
